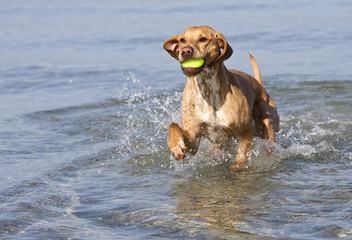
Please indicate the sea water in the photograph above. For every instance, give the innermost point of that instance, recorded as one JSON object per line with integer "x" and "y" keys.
{"x": 87, "y": 94}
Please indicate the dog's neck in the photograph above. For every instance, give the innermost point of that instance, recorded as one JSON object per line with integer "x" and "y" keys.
{"x": 207, "y": 84}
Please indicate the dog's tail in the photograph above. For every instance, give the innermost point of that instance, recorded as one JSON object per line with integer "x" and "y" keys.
{"x": 256, "y": 70}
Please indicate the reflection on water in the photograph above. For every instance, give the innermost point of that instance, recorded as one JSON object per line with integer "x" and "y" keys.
{"x": 271, "y": 203}
{"x": 224, "y": 203}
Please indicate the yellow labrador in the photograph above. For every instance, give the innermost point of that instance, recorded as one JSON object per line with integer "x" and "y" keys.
{"x": 217, "y": 103}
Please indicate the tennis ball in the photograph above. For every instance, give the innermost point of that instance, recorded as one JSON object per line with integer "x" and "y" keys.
{"x": 193, "y": 63}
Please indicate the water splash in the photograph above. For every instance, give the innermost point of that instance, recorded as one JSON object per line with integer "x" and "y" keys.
{"x": 149, "y": 113}
{"x": 157, "y": 110}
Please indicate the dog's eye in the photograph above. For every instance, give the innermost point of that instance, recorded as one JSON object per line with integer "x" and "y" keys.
{"x": 203, "y": 39}
{"x": 182, "y": 40}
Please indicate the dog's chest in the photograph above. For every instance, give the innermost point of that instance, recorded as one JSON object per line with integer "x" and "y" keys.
{"x": 208, "y": 109}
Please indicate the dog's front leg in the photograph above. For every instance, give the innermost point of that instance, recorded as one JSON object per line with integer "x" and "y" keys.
{"x": 180, "y": 142}
{"x": 244, "y": 147}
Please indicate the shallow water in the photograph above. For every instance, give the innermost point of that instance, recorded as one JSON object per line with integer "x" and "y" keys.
{"x": 88, "y": 93}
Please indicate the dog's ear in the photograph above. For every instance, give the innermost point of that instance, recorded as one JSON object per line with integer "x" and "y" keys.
{"x": 171, "y": 46}
{"x": 226, "y": 49}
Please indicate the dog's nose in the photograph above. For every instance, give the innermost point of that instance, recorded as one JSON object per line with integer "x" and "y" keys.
{"x": 187, "y": 51}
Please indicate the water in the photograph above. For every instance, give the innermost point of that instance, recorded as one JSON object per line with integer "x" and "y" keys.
{"x": 87, "y": 94}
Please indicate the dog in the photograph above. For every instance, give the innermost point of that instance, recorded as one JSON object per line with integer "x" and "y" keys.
{"x": 217, "y": 103}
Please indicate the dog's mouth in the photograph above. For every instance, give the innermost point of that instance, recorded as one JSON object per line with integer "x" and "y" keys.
{"x": 192, "y": 67}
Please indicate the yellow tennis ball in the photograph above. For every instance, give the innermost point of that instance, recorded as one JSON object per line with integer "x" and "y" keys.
{"x": 193, "y": 63}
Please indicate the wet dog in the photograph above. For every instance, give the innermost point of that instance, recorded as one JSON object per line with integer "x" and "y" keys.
{"x": 217, "y": 103}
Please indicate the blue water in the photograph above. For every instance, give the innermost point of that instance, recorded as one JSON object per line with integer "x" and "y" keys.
{"x": 87, "y": 93}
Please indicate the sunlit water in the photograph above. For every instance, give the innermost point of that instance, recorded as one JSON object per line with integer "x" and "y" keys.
{"x": 87, "y": 94}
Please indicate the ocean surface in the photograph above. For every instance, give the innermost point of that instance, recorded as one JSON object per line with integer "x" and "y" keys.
{"x": 87, "y": 94}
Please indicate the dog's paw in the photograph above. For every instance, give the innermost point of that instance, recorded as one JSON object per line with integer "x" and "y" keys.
{"x": 176, "y": 142}
{"x": 178, "y": 150}
{"x": 241, "y": 162}
{"x": 239, "y": 166}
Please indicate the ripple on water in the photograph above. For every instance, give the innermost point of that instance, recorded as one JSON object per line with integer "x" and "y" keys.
{"x": 122, "y": 180}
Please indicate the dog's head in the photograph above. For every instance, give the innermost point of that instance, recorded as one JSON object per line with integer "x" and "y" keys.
{"x": 198, "y": 43}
